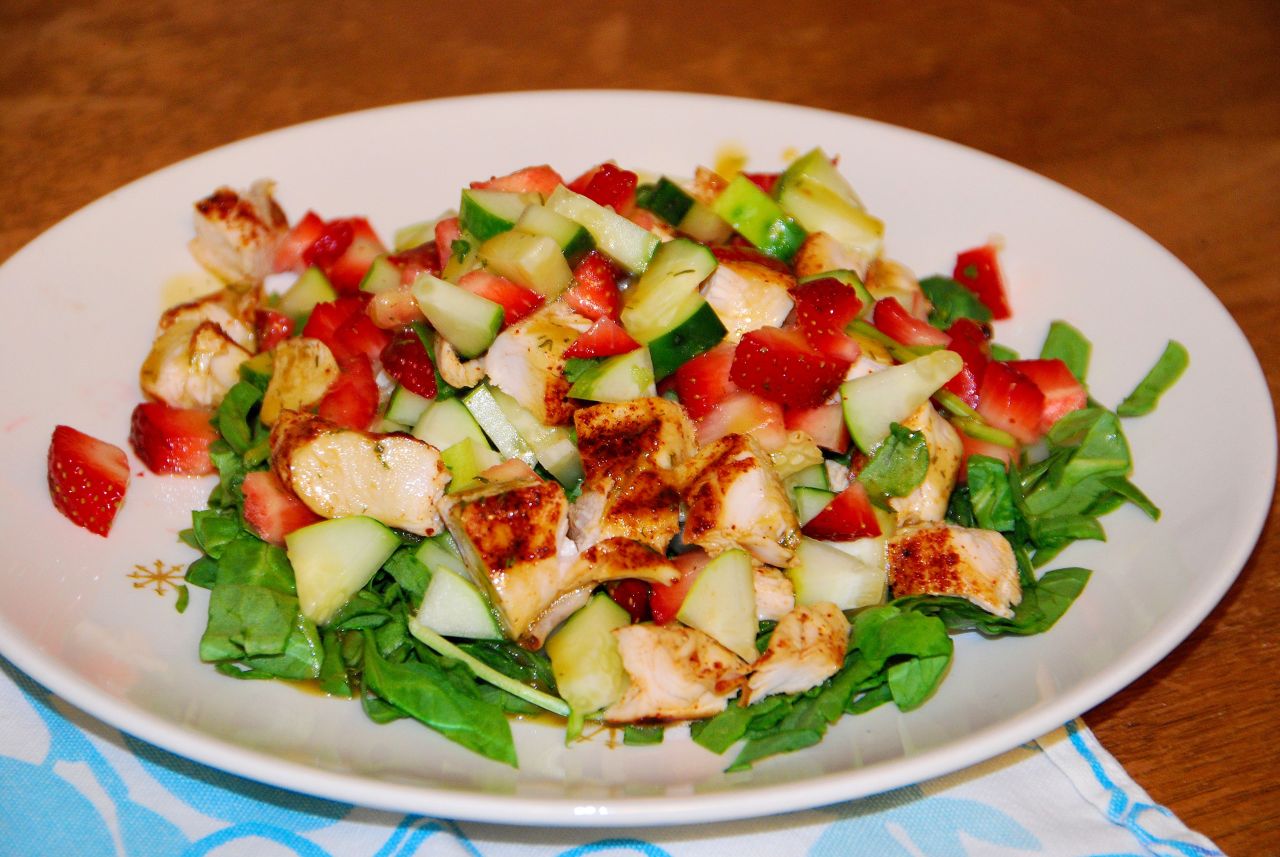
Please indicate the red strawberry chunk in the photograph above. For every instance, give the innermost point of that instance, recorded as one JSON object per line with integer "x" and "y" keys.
{"x": 1062, "y": 392}
{"x": 824, "y": 423}
{"x": 891, "y": 319}
{"x": 294, "y": 245}
{"x": 352, "y": 399}
{"x": 271, "y": 328}
{"x": 1011, "y": 401}
{"x": 448, "y": 230}
{"x": 87, "y": 478}
{"x": 979, "y": 271}
{"x": 744, "y": 413}
{"x": 406, "y": 359}
{"x": 516, "y": 301}
{"x": 824, "y": 307}
{"x": 666, "y": 599}
{"x": 604, "y": 338}
{"x": 416, "y": 261}
{"x": 781, "y": 366}
{"x": 359, "y": 335}
{"x": 271, "y": 510}
{"x": 172, "y": 440}
{"x": 701, "y": 383}
{"x": 334, "y": 239}
{"x": 610, "y": 185}
{"x": 595, "y": 292}
{"x": 764, "y": 181}
{"x": 631, "y": 595}
{"x": 970, "y": 342}
{"x": 847, "y": 517}
{"x": 540, "y": 179}
{"x": 328, "y": 316}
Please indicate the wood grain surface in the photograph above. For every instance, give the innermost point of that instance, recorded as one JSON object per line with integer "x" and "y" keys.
{"x": 1168, "y": 113}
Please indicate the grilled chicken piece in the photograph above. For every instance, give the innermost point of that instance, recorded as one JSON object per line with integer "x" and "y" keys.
{"x": 806, "y": 648}
{"x": 455, "y": 370}
{"x": 821, "y": 253}
{"x": 627, "y": 449}
{"x": 928, "y": 502}
{"x": 512, "y": 536}
{"x": 707, "y": 185}
{"x": 192, "y": 364}
{"x": 888, "y": 279}
{"x": 735, "y": 499}
{"x": 237, "y": 234}
{"x": 526, "y": 361}
{"x": 337, "y": 472}
{"x": 747, "y": 296}
{"x": 230, "y": 309}
{"x": 302, "y": 370}
{"x": 676, "y": 673}
{"x": 775, "y": 595}
{"x": 944, "y": 559}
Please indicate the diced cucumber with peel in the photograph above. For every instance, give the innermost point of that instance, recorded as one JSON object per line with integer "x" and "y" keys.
{"x": 813, "y": 476}
{"x": 490, "y": 417}
{"x": 552, "y": 446}
{"x": 447, "y": 421}
{"x": 664, "y": 309}
{"x": 873, "y": 402}
{"x": 312, "y": 287}
{"x": 405, "y": 406}
{"x": 849, "y": 578}
{"x": 382, "y": 276}
{"x": 759, "y": 219}
{"x": 810, "y": 501}
{"x": 624, "y": 242}
{"x": 816, "y": 166}
{"x": 486, "y": 213}
{"x": 533, "y": 261}
{"x": 722, "y": 604}
{"x": 439, "y": 552}
{"x": 454, "y": 607}
{"x": 620, "y": 378}
{"x": 469, "y": 322}
{"x": 334, "y": 559}
{"x": 699, "y": 329}
{"x": 677, "y": 206}
{"x": 414, "y": 235}
{"x": 585, "y": 659}
{"x": 819, "y": 209}
{"x": 466, "y": 460}
{"x": 571, "y": 237}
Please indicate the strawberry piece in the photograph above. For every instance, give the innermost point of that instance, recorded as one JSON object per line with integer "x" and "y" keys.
{"x": 416, "y": 261}
{"x": 334, "y": 239}
{"x": 539, "y": 179}
{"x": 304, "y": 233}
{"x": 613, "y": 186}
{"x": 1062, "y": 392}
{"x": 172, "y": 440}
{"x": 979, "y": 271}
{"x": 516, "y": 301}
{"x": 271, "y": 328}
{"x": 665, "y": 600}
{"x": 344, "y": 250}
{"x": 87, "y": 478}
{"x": 847, "y": 517}
{"x": 631, "y": 595}
{"x": 764, "y": 181}
{"x": 359, "y": 335}
{"x": 595, "y": 292}
{"x": 352, "y": 399}
{"x": 824, "y": 423}
{"x": 745, "y": 252}
{"x": 604, "y": 338}
{"x": 703, "y": 382}
{"x": 744, "y": 413}
{"x": 970, "y": 342}
{"x": 327, "y": 317}
{"x": 891, "y": 319}
{"x": 1011, "y": 401}
{"x": 973, "y": 446}
{"x": 824, "y": 307}
{"x": 406, "y": 359}
{"x": 272, "y": 510}
{"x": 448, "y": 230}
{"x": 782, "y": 367}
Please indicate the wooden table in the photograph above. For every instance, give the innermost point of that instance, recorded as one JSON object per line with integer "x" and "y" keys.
{"x": 1167, "y": 113}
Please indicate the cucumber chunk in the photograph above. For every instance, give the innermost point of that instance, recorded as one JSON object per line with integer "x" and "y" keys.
{"x": 533, "y": 261}
{"x": 664, "y": 310}
{"x": 815, "y": 166}
{"x": 871, "y": 403}
{"x": 810, "y": 501}
{"x": 760, "y": 220}
{"x": 617, "y": 379}
{"x": 440, "y": 552}
{"x": 813, "y": 476}
{"x": 445, "y": 422}
{"x": 618, "y": 238}
{"x": 405, "y": 406}
{"x": 571, "y": 237}
{"x": 585, "y": 659}
{"x": 699, "y": 329}
{"x": 849, "y": 577}
{"x": 469, "y": 322}
{"x": 490, "y": 417}
{"x": 312, "y": 287}
{"x": 675, "y": 205}
{"x": 552, "y": 446}
{"x": 334, "y": 559}
{"x": 466, "y": 460}
{"x": 486, "y": 213}
{"x": 382, "y": 276}
{"x": 722, "y": 604}
{"x": 454, "y": 607}
{"x": 414, "y": 235}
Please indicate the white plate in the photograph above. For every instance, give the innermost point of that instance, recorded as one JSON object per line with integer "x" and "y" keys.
{"x": 77, "y": 311}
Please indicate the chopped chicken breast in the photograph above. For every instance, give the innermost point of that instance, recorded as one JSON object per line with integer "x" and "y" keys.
{"x": 944, "y": 559}
{"x": 455, "y": 370}
{"x": 229, "y": 309}
{"x": 526, "y": 361}
{"x": 337, "y": 472}
{"x": 775, "y": 595}
{"x": 735, "y": 499}
{"x": 821, "y": 253}
{"x": 302, "y": 370}
{"x": 676, "y": 673}
{"x": 237, "y": 234}
{"x": 888, "y": 279}
{"x": 192, "y": 364}
{"x": 806, "y": 648}
{"x": 627, "y": 449}
{"x": 928, "y": 501}
{"x": 747, "y": 296}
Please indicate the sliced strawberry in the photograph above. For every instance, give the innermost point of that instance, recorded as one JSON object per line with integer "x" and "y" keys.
{"x": 973, "y": 446}
{"x": 824, "y": 307}
{"x": 595, "y": 291}
{"x": 609, "y": 184}
{"x": 979, "y": 271}
{"x": 359, "y": 335}
{"x": 348, "y": 271}
{"x": 744, "y": 413}
{"x": 891, "y": 319}
{"x": 703, "y": 382}
{"x": 631, "y": 595}
{"x": 824, "y": 423}
{"x": 448, "y": 230}
{"x": 406, "y": 359}
{"x": 516, "y": 301}
{"x": 665, "y": 601}
{"x": 415, "y": 262}
{"x": 764, "y": 181}
{"x": 1011, "y": 401}
{"x": 272, "y": 510}
{"x": 327, "y": 317}
{"x": 744, "y": 252}
{"x": 782, "y": 367}
{"x": 301, "y": 236}
{"x": 1062, "y": 392}
{"x": 847, "y": 517}
{"x": 352, "y": 399}
{"x": 604, "y": 338}
{"x": 334, "y": 239}
{"x": 87, "y": 478}
{"x": 344, "y": 251}
{"x": 394, "y": 308}
{"x": 172, "y": 440}
{"x": 540, "y": 179}
{"x": 969, "y": 341}
{"x": 271, "y": 328}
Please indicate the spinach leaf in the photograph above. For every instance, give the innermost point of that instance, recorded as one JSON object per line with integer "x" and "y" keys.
{"x": 214, "y": 528}
{"x": 1168, "y": 369}
{"x": 233, "y": 419}
{"x": 203, "y": 573}
{"x": 989, "y": 494}
{"x": 912, "y": 681}
{"x": 898, "y": 465}
{"x": 247, "y": 620}
{"x": 247, "y": 559}
{"x": 1069, "y": 345}
{"x": 1043, "y": 603}
{"x": 1125, "y": 489}
{"x": 952, "y": 301}
{"x": 410, "y": 572}
{"x": 642, "y": 736}
{"x": 333, "y": 668}
{"x": 576, "y": 367}
{"x": 302, "y": 655}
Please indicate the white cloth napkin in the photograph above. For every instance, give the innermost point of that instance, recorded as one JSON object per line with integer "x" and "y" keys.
{"x": 70, "y": 785}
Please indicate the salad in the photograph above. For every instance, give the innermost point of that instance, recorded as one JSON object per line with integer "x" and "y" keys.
{"x": 635, "y": 452}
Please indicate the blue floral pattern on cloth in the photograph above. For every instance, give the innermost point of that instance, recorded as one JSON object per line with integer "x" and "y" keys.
{"x": 73, "y": 786}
